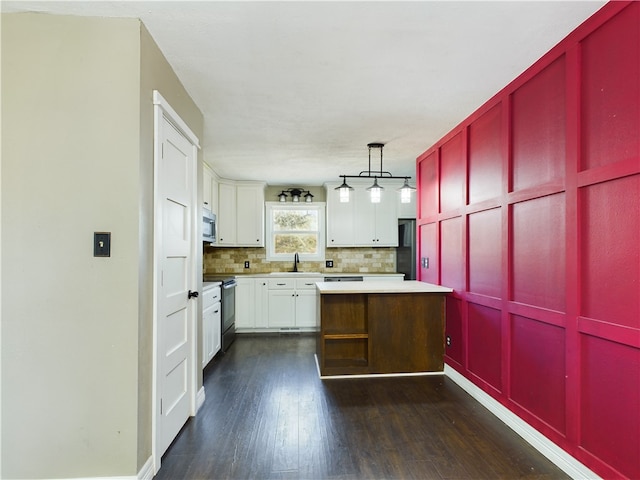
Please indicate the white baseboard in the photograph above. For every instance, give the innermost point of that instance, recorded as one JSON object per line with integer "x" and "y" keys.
{"x": 546, "y": 447}
{"x": 146, "y": 472}
{"x": 199, "y": 399}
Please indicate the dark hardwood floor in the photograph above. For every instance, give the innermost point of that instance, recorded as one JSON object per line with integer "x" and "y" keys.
{"x": 267, "y": 415}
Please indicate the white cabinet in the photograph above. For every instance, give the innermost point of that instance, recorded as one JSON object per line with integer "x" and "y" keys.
{"x": 226, "y": 214}
{"x": 261, "y": 303}
{"x": 376, "y": 224}
{"x": 292, "y": 303}
{"x": 250, "y": 215}
{"x": 245, "y": 303}
{"x": 209, "y": 189}
{"x": 211, "y": 326}
{"x": 240, "y": 214}
{"x": 340, "y": 227}
{"x": 360, "y": 223}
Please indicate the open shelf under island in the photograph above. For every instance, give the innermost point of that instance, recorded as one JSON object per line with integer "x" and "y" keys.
{"x": 380, "y": 327}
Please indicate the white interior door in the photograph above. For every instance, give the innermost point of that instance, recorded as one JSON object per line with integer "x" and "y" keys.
{"x": 175, "y": 314}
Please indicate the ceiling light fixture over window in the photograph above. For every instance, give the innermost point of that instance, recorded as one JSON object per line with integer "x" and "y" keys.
{"x": 296, "y": 193}
{"x": 375, "y": 190}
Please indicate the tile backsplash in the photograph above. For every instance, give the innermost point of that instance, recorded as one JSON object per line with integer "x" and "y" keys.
{"x": 345, "y": 260}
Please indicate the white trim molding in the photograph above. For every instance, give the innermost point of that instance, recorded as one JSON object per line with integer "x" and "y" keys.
{"x": 546, "y": 447}
{"x": 175, "y": 119}
{"x": 200, "y": 399}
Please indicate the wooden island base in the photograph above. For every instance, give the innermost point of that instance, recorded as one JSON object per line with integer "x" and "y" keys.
{"x": 380, "y": 329}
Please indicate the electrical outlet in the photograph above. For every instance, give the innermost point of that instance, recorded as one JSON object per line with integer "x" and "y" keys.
{"x": 246, "y": 264}
{"x": 448, "y": 340}
{"x": 329, "y": 263}
{"x": 425, "y": 262}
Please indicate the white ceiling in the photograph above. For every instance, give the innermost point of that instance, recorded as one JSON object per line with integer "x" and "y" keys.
{"x": 292, "y": 92}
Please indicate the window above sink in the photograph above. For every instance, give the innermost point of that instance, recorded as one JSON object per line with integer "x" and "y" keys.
{"x": 295, "y": 228}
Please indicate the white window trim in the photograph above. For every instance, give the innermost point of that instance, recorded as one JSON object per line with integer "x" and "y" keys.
{"x": 320, "y": 207}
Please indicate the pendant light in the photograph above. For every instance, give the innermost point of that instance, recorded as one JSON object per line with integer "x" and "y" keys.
{"x": 375, "y": 191}
{"x": 344, "y": 190}
{"x": 405, "y": 191}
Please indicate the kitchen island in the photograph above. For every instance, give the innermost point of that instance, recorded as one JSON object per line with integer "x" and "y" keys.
{"x": 380, "y": 327}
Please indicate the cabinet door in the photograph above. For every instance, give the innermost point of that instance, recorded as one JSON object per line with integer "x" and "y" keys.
{"x": 386, "y": 219}
{"x": 207, "y": 180}
{"x": 226, "y": 214}
{"x": 207, "y": 333}
{"x": 365, "y": 218}
{"x": 216, "y": 330}
{"x": 261, "y": 303}
{"x": 340, "y": 228}
{"x": 245, "y": 303}
{"x": 306, "y": 308}
{"x": 282, "y": 308}
{"x": 250, "y": 215}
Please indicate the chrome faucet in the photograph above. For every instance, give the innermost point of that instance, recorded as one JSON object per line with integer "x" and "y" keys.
{"x": 296, "y": 261}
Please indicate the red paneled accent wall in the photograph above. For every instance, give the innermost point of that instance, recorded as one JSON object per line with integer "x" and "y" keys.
{"x": 530, "y": 211}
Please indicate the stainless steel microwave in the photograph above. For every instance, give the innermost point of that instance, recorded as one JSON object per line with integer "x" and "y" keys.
{"x": 208, "y": 226}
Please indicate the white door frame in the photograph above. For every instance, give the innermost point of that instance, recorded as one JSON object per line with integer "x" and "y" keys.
{"x": 163, "y": 109}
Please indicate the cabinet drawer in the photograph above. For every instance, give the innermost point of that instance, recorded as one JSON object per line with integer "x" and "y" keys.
{"x": 282, "y": 283}
{"x": 210, "y": 296}
{"x": 307, "y": 283}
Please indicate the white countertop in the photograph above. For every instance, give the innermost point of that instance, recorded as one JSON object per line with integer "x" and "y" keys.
{"x": 408, "y": 286}
{"x": 206, "y": 285}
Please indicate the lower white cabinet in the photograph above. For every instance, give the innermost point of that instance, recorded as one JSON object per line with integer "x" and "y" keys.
{"x": 211, "y": 318}
{"x": 245, "y": 303}
{"x": 292, "y": 302}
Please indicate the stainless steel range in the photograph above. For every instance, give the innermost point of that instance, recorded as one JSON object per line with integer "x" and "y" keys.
{"x": 228, "y": 305}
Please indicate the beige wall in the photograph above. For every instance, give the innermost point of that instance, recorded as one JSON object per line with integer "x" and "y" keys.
{"x": 77, "y": 143}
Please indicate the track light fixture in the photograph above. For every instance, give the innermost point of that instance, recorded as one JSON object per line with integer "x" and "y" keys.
{"x": 296, "y": 194}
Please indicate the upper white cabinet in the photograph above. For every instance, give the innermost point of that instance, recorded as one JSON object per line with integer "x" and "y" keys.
{"x": 209, "y": 189}
{"x": 359, "y": 222}
{"x": 240, "y": 214}
{"x": 340, "y": 227}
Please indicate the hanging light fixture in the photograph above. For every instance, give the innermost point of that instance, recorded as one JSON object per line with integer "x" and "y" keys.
{"x": 344, "y": 190}
{"x": 375, "y": 190}
{"x": 405, "y": 191}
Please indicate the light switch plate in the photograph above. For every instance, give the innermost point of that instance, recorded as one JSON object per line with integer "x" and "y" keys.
{"x": 101, "y": 244}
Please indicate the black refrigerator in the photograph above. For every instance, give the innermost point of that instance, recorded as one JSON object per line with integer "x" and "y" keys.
{"x": 406, "y": 250}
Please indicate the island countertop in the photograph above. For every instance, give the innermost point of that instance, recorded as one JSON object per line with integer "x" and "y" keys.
{"x": 408, "y": 286}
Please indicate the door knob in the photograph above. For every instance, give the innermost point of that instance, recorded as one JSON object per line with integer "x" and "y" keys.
{"x": 192, "y": 295}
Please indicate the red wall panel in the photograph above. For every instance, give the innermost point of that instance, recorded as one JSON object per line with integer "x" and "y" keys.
{"x": 485, "y": 352}
{"x": 544, "y": 257}
{"x": 537, "y": 370}
{"x": 454, "y": 330}
{"x": 451, "y": 260}
{"x": 485, "y": 156}
{"x": 610, "y": 403}
{"x": 485, "y": 252}
{"x": 610, "y": 114}
{"x": 539, "y": 252}
{"x": 452, "y": 174}
{"x": 428, "y": 180}
{"x": 610, "y": 251}
{"x": 429, "y": 250}
{"x": 538, "y": 128}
